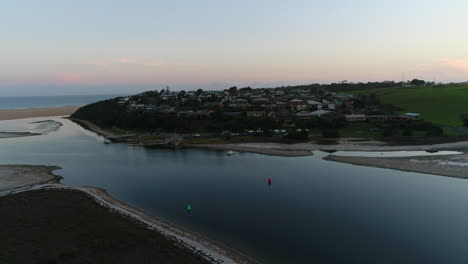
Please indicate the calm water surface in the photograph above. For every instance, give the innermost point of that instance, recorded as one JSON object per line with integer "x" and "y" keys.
{"x": 316, "y": 211}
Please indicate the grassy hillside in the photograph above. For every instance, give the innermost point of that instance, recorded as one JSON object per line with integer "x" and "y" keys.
{"x": 441, "y": 104}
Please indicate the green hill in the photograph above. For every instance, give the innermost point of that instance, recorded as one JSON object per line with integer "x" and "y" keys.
{"x": 441, "y": 104}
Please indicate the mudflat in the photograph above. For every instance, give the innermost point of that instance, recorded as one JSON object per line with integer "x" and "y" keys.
{"x": 16, "y": 176}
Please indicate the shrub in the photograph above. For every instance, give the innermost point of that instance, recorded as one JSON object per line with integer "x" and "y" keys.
{"x": 388, "y": 132}
{"x": 330, "y": 133}
{"x": 465, "y": 120}
{"x": 300, "y": 135}
{"x": 407, "y": 132}
{"x": 435, "y": 132}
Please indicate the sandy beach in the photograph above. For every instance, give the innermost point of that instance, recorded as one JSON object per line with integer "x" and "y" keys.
{"x": 343, "y": 145}
{"x": 11, "y": 114}
{"x": 279, "y": 151}
{"x": 18, "y": 179}
{"x": 305, "y": 149}
{"x": 450, "y": 166}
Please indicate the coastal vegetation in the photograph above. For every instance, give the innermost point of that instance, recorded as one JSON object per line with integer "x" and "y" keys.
{"x": 43, "y": 226}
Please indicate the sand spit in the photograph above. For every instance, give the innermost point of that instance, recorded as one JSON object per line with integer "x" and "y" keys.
{"x": 17, "y": 176}
{"x": 347, "y": 145}
{"x": 11, "y": 114}
{"x": 451, "y": 166}
{"x": 17, "y": 134}
{"x": 284, "y": 152}
{"x": 21, "y": 178}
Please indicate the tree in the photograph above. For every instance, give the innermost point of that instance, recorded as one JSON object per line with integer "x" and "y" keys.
{"x": 246, "y": 89}
{"x": 233, "y": 90}
{"x": 465, "y": 120}
{"x": 435, "y": 131}
{"x": 417, "y": 82}
{"x": 330, "y": 133}
{"x": 199, "y": 91}
{"x": 407, "y": 132}
{"x": 388, "y": 132}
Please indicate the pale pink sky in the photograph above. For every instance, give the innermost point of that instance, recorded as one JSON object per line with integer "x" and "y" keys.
{"x": 255, "y": 42}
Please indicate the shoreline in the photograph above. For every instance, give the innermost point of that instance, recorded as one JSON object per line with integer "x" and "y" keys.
{"x": 42, "y": 177}
{"x": 291, "y": 150}
{"x": 447, "y": 166}
{"x": 264, "y": 151}
{"x": 13, "y": 114}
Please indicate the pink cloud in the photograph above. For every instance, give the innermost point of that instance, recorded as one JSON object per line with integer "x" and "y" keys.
{"x": 456, "y": 64}
{"x": 127, "y": 60}
{"x": 70, "y": 78}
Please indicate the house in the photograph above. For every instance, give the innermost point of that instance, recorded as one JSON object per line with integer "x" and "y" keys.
{"x": 413, "y": 116}
{"x": 238, "y": 103}
{"x": 305, "y": 115}
{"x": 356, "y": 118}
{"x": 315, "y": 105}
{"x": 298, "y": 105}
{"x": 202, "y": 114}
{"x": 256, "y": 113}
{"x": 261, "y": 100}
{"x": 205, "y": 97}
{"x": 320, "y": 113}
{"x": 295, "y": 101}
{"x": 281, "y": 105}
{"x": 123, "y": 100}
{"x": 377, "y": 117}
{"x": 184, "y": 113}
{"x": 330, "y": 106}
{"x": 233, "y": 114}
{"x": 134, "y": 106}
{"x": 271, "y": 115}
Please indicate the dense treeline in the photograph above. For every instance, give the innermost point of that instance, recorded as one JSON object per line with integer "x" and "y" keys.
{"x": 106, "y": 113}
{"x": 110, "y": 113}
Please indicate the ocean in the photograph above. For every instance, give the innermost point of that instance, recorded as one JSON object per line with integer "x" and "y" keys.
{"x": 51, "y": 101}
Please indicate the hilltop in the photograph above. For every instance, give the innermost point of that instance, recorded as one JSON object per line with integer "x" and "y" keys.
{"x": 441, "y": 104}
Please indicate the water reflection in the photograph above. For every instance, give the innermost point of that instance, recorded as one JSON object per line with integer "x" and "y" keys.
{"x": 315, "y": 212}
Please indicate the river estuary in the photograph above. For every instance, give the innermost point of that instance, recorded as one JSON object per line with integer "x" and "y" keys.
{"x": 315, "y": 211}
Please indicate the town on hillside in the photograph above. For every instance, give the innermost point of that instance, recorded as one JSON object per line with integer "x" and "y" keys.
{"x": 284, "y": 104}
{"x": 299, "y": 113}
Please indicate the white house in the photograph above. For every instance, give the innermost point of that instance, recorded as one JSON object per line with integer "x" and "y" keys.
{"x": 320, "y": 112}
{"x": 355, "y": 118}
{"x": 413, "y": 116}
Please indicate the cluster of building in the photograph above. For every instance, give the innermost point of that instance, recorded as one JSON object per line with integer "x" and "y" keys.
{"x": 278, "y": 103}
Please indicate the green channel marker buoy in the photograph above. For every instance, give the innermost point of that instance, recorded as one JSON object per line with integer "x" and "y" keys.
{"x": 189, "y": 208}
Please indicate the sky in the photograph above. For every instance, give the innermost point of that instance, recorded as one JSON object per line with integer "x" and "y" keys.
{"x": 116, "y": 46}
